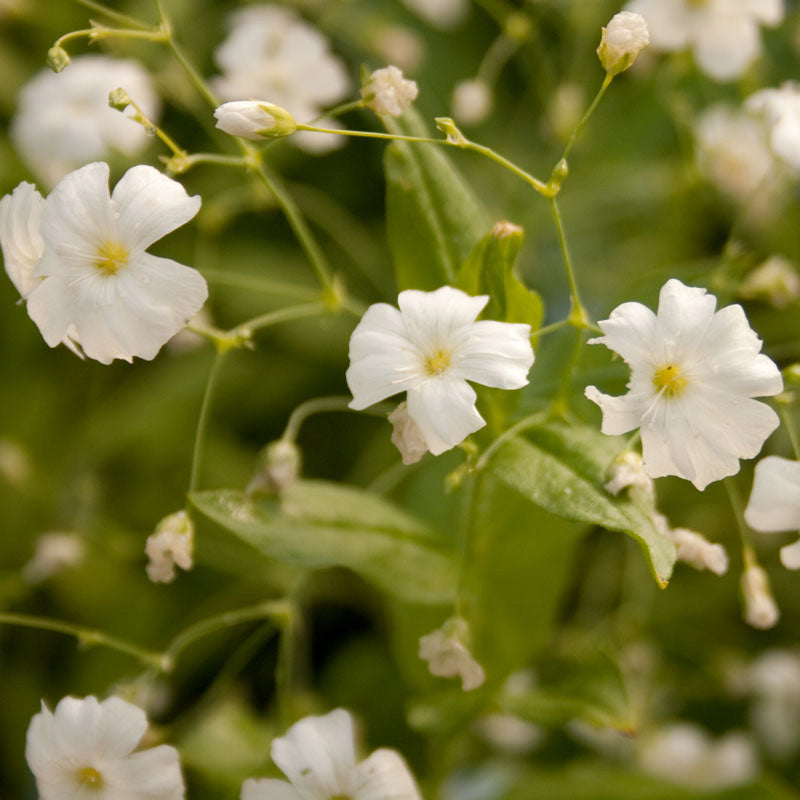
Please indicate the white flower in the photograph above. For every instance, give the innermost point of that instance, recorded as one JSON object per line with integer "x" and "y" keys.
{"x": 693, "y": 548}
{"x": 271, "y": 53}
{"x": 15, "y": 463}
{"x": 170, "y": 545}
{"x": 388, "y": 92}
{"x": 472, "y": 101}
{"x": 85, "y": 749}
{"x": 694, "y": 373}
{"x": 317, "y": 754}
{"x": 774, "y": 678}
{"x": 781, "y": 107}
{"x": 509, "y": 733}
{"x": 99, "y": 285}
{"x": 760, "y": 609}
{"x": 776, "y": 281}
{"x": 685, "y": 754}
{"x": 627, "y": 472}
{"x": 623, "y": 39}
{"x": 774, "y": 503}
{"x": 445, "y": 14}
{"x": 255, "y": 120}
{"x": 399, "y": 45}
{"x": 448, "y": 656}
{"x": 723, "y": 34}
{"x": 64, "y": 120}
{"x": 54, "y": 553}
{"x": 430, "y": 348}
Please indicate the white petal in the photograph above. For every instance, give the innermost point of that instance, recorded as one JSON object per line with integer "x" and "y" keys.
{"x": 317, "y": 755}
{"x": 495, "y": 354}
{"x": 150, "y": 206}
{"x": 21, "y": 237}
{"x": 685, "y": 314}
{"x": 120, "y": 727}
{"x": 53, "y": 308}
{"x": 785, "y": 139}
{"x": 669, "y": 22}
{"x": 444, "y": 411}
{"x": 775, "y": 499}
{"x": 620, "y": 414}
{"x": 269, "y": 789}
{"x": 385, "y": 776}
{"x": 435, "y": 316}
{"x": 790, "y": 555}
{"x": 154, "y": 773}
{"x": 726, "y": 45}
{"x": 630, "y": 331}
{"x": 768, "y": 12}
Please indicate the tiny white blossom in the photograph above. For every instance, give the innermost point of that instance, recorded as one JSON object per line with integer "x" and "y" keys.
{"x": 388, "y": 92}
{"x": 693, "y": 548}
{"x": 54, "y": 553}
{"x": 87, "y": 749}
{"x": 775, "y": 281}
{"x": 430, "y": 348}
{"x": 760, "y": 609}
{"x": 774, "y": 503}
{"x": 509, "y": 733}
{"x": 254, "y": 119}
{"x": 472, "y": 101}
{"x": 781, "y": 108}
{"x": 694, "y": 373}
{"x": 97, "y": 283}
{"x": 63, "y": 119}
{"x": 317, "y": 755}
{"x": 448, "y": 656}
{"x": 623, "y": 39}
{"x": 444, "y": 14}
{"x": 723, "y": 34}
{"x": 774, "y": 679}
{"x": 170, "y": 545}
{"x": 627, "y": 472}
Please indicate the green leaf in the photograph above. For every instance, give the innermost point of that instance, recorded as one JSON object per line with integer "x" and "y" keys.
{"x": 489, "y": 269}
{"x": 562, "y": 468}
{"x": 433, "y": 217}
{"x": 317, "y": 524}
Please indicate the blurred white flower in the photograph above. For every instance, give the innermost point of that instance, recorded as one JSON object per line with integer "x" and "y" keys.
{"x": 63, "y": 119}
{"x": 170, "y": 545}
{"x": 685, "y": 754}
{"x": 272, "y": 54}
{"x": 99, "y": 285}
{"x": 15, "y": 463}
{"x": 774, "y": 503}
{"x": 54, "y": 552}
{"x": 317, "y": 755}
{"x": 693, "y": 548}
{"x": 694, "y": 373}
{"x": 781, "y": 108}
{"x": 723, "y": 34}
{"x": 760, "y": 609}
{"x": 625, "y": 36}
{"x": 509, "y": 733}
{"x": 388, "y": 92}
{"x": 430, "y": 348}
{"x": 445, "y": 14}
{"x": 472, "y": 101}
{"x": 628, "y": 472}
{"x": 565, "y": 108}
{"x": 448, "y": 656}
{"x": 254, "y": 119}
{"x": 774, "y": 679}
{"x": 85, "y": 749}
{"x": 775, "y": 281}
{"x": 399, "y": 45}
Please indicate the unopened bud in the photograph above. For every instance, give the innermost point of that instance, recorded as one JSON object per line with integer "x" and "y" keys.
{"x": 57, "y": 58}
{"x": 760, "y": 609}
{"x": 119, "y": 99}
{"x": 449, "y": 129}
{"x": 278, "y": 468}
{"x": 622, "y": 41}
{"x": 255, "y": 120}
{"x": 388, "y": 93}
{"x": 171, "y": 545}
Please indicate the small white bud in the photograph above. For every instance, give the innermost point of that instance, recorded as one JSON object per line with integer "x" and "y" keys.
{"x": 388, "y": 93}
{"x": 622, "y": 41}
{"x": 255, "y": 120}
{"x": 448, "y": 656}
{"x": 54, "y": 553}
{"x": 627, "y": 472}
{"x": 170, "y": 545}
{"x": 761, "y": 610}
{"x": 776, "y": 281}
{"x": 691, "y": 547}
{"x": 406, "y": 436}
{"x": 472, "y": 101}
{"x": 278, "y": 468}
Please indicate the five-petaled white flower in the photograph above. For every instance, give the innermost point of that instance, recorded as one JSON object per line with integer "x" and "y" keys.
{"x": 781, "y": 108}
{"x": 723, "y": 34}
{"x": 430, "y": 348}
{"x": 694, "y": 373}
{"x": 87, "y": 749}
{"x": 775, "y": 503}
{"x": 64, "y": 120}
{"x": 93, "y": 281}
{"x": 318, "y": 756}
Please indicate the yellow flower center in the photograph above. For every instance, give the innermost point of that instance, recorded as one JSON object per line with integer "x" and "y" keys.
{"x": 437, "y": 363}
{"x": 90, "y": 777}
{"x": 111, "y": 257}
{"x": 669, "y": 379}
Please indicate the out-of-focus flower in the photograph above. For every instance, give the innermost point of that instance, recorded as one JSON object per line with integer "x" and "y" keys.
{"x": 565, "y": 108}
{"x": 15, "y": 463}
{"x": 774, "y": 503}
{"x": 776, "y": 281}
{"x": 509, "y": 733}
{"x": 693, "y": 548}
{"x": 317, "y": 755}
{"x": 399, "y": 45}
{"x": 723, "y": 34}
{"x": 54, "y": 552}
{"x": 171, "y": 545}
{"x": 445, "y": 14}
{"x": 774, "y": 680}
{"x": 623, "y": 39}
{"x": 271, "y": 53}
{"x": 628, "y": 472}
{"x": 63, "y": 120}
{"x": 97, "y": 284}
{"x": 87, "y": 749}
{"x": 388, "y": 92}
{"x": 472, "y": 101}
{"x": 278, "y": 467}
{"x": 685, "y": 754}
{"x": 694, "y": 373}
{"x": 781, "y": 108}
{"x": 21, "y": 236}
{"x": 430, "y": 348}
{"x": 760, "y": 609}
{"x": 447, "y": 654}
{"x": 254, "y": 119}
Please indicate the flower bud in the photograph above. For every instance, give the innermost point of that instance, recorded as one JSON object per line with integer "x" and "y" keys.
{"x": 254, "y": 119}
{"x": 118, "y": 99}
{"x": 57, "y": 58}
{"x": 451, "y": 132}
{"x": 622, "y": 41}
{"x": 170, "y": 545}
{"x": 447, "y": 654}
{"x": 627, "y": 472}
{"x": 406, "y": 436}
{"x": 388, "y": 93}
{"x": 760, "y": 609}
{"x": 278, "y": 468}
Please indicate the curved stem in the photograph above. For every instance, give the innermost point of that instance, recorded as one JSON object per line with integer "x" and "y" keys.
{"x": 123, "y": 19}
{"x": 310, "y": 407}
{"x": 247, "y": 329}
{"x": 527, "y": 422}
{"x": 202, "y": 422}
{"x": 259, "y": 284}
{"x": 577, "y": 313}
{"x": 791, "y": 429}
{"x": 580, "y": 126}
{"x": 102, "y": 32}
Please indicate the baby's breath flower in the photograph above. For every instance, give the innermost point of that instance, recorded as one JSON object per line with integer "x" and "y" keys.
{"x": 691, "y": 547}
{"x": 387, "y": 92}
{"x": 628, "y": 472}
{"x": 447, "y": 654}
{"x": 171, "y": 545}
{"x": 623, "y": 39}
{"x": 255, "y": 120}
{"x": 472, "y": 101}
{"x": 760, "y": 609}
{"x": 781, "y": 108}
{"x": 775, "y": 281}
{"x": 54, "y": 553}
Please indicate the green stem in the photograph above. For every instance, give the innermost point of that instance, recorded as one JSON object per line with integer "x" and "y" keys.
{"x": 123, "y": 19}
{"x": 526, "y": 422}
{"x": 738, "y": 512}
{"x": 182, "y": 161}
{"x": 577, "y": 315}
{"x": 101, "y": 32}
{"x": 202, "y": 422}
{"x": 322, "y": 404}
{"x": 580, "y": 126}
{"x": 553, "y": 326}
{"x": 560, "y": 404}
{"x": 258, "y": 284}
{"x": 247, "y": 329}
{"x": 337, "y": 111}
{"x": 791, "y": 429}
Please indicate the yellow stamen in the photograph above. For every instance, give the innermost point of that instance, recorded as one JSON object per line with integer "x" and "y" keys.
{"x": 437, "y": 363}
{"x": 669, "y": 379}
{"x": 90, "y": 777}
{"x": 111, "y": 257}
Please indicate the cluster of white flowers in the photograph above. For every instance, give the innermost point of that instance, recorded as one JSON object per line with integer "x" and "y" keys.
{"x": 63, "y": 119}
{"x": 388, "y": 92}
{"x": 80, "y": 260}
{"x": 781, "y": 108}
{"x": 273, "y": 55}
{"x": 171, "y": 545}
{"x": 447, "y": 654}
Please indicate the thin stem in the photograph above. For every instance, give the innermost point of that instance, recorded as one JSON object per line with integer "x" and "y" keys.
{"x": 258, "y": 284}
{"x": 337, "y": 111}
{"x": 371, "y": 134}
{"x": 526, "y": 422}
{"x": 202, "y": 422}
{"x": 310, "y": 407}
{"x": 577, "y": 315}
{"x": 791, "y": 428}
{"x": 553, "y": 326}
{"x": 144, "y": 120}
{"x": 182, "y": 161}
{"x": 123, "y": 19}
{"x": 101, "y": 32}
{"x": 738, "y": 512}
{"x": 247, "y": 329}
{"x": 497, "y": 56}
{"x": 560, "y": 406}
{"x": 580, "y": 126}
{"x": 85, "y": 636}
